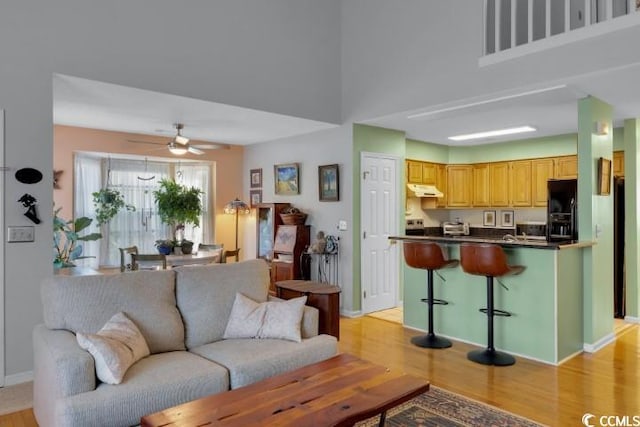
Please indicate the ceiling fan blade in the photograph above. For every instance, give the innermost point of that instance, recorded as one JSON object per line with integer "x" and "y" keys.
{"x": 135, "y": 141}
{"x": 211, "y": 146}
{"x": 194, "y": 150}
{"x": 181, "y": 139}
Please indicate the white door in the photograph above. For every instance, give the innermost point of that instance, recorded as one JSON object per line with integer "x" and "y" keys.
{"x": 379, "y": 218}
{"x": 2, "y": 228}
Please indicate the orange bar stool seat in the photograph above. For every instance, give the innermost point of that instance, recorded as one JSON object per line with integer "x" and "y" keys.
{"x": 490, "y": 261}
{"x": 428, "y": 256}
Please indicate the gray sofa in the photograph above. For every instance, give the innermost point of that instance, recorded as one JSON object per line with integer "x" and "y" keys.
{"x": 182, "y": 315}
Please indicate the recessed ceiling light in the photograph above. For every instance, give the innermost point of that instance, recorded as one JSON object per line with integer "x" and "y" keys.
{"x": 490, "y": 133}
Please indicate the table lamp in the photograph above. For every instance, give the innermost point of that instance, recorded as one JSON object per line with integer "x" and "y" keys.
{"x": 234, "y": 207}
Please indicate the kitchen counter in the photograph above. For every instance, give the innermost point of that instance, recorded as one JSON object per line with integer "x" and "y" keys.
{"x": 545, "y": 300}
{"x": 517, "y": 243}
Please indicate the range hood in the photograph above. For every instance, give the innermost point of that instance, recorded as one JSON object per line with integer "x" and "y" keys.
{"x": 421, "y": 190}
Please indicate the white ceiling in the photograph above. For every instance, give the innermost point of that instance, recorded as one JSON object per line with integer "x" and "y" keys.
{"x": 552, "y": 110}
{"x": 97, "y": 105}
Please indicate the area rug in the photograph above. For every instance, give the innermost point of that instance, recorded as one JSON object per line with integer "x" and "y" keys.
{"x": 439, "y": 407}
{"x": 16, "y": 397}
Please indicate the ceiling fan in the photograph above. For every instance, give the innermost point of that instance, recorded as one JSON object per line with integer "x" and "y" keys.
{"x": 179, "y": 144}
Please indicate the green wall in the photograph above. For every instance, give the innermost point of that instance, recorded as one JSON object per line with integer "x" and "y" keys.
{"x": 595, "y": 211}
{"x": 374, "y": 140}
{"x": 426, "y": 151}
{"x": 632, "y": 208}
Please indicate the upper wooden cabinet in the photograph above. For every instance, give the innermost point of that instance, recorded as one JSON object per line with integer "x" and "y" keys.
{"x": 481, "y": 184}
{"x": 520, "y": 183}
{"x": 499, "y": 184}
{"x": 414, "y": 172}
{"x": 566, "y": 167}
{"x": 441, "y": 184}
{"x": 541, "y": 172}
{"x": 459, "y": 185}
{"x": 429, "y": 173}
{"x": 618, "y": 163}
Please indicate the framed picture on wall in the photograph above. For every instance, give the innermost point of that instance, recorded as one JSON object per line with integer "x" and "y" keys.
{"x": 255, "y": 176}
{"x": 255, "y": 197}
{"x": 604, "y": 176}
{"x": 506, "y": 218}
{"x": 329, "y": 183}
{"x": 286, "y": 178}
{"x": 489, "y": 219}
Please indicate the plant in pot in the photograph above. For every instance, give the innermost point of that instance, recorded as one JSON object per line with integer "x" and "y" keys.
{"x": 66, "y": 238}
{"x": 179, "y": 205}
{"x": 107, "y": 203}
{"x": 164, "y": 246}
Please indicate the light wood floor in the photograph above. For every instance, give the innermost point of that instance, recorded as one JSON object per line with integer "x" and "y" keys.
{"x": 604, "y": 383}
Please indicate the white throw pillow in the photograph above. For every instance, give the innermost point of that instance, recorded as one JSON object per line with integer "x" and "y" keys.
{"x": 245, "y": 319}
{"x": 115, "y": 347}
{"x": 273, "y": 319}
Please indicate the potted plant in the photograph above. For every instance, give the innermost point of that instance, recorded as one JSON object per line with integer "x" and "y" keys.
{"x": 107, "y": 203}
{"x": 66, "y": 248}
{"x": 164, "y": 246}
{"x": 178, "y": 205}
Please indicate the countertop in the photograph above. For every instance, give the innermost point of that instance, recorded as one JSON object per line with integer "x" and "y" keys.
{"x": 536, "y": 244}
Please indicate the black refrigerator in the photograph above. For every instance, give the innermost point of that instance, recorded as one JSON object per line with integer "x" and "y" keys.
{"x": 562, "y": 210}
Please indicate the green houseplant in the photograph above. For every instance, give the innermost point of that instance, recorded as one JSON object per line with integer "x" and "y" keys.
{"x": 178, "y": 205}
{"x": 107, "y": 203}
{"x": 66, "y": 238}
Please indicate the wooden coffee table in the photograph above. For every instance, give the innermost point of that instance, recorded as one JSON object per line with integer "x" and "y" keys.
{"x": 336, "y": 392}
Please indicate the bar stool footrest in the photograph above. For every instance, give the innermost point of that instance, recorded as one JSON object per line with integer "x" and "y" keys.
{"x": 496, "y": 312}
{"x": 435, "y": 301}
{"x": 488, "y": 356}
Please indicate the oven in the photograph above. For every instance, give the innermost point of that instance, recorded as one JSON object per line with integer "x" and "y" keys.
{"x": 414, "y": 227}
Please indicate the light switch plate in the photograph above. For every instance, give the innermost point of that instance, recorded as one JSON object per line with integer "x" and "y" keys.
{"x": 22, "y": 233}
{"x": 342, "y": 225}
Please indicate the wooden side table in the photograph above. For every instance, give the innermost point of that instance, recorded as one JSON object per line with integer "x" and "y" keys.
{"x": 324, "y": 297}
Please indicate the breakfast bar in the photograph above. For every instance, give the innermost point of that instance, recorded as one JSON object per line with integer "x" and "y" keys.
{"x": 545, "y": 300}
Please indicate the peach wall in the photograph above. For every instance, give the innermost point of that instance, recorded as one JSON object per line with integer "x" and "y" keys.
{"x": 227, "y": 179}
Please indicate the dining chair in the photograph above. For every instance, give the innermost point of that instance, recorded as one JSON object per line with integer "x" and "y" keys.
{"x": 148, "y": 259}
{"x": 123, "y": 254}
{"x": 213, "y": 247}
{"x": 228, "y": 254}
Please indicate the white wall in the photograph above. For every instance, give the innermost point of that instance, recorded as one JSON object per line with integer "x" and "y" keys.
{"x": 312, "y": 150}
{"x": 398, "y": 56}
{"x": 281, "y": 56}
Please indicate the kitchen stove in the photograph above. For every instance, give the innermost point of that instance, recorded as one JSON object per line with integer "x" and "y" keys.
{"x": 414, "y": 227}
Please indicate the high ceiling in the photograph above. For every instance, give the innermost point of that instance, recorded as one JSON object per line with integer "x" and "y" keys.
{"x": 551, "y": 109}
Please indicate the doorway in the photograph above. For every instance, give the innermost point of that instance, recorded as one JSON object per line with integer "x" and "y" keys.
{"x": 379, "y": 219}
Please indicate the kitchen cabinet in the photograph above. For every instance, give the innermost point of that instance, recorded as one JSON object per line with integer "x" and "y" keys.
{"x": 429, "y": 173}
{"x": 618, "y": 163}
{"x": 499, "y": 184}
{"x": 566, "y": 167}
{"x": 459, "y": 185}
{"x": 481, "y": 184}
{"x": 414, "y": 172}
{"x": 541, "y": 172}
{"x": 520, "y": 183}
{"x": 441, "y": 184}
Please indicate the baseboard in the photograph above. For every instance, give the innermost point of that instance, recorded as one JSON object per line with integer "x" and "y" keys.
{"x": 351, "y": 314}
{"x": 20, "y": 378}
{"x": 602, "y": 342}
{"x": 631, "y": 319}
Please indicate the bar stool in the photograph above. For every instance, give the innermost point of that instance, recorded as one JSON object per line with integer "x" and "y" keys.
{"x": 428, "y": 256}
{"x": 490, "y": 261}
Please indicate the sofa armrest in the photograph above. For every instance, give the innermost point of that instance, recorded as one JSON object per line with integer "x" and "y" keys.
{"x": 310, "y": 319}
{"x": 61, "y": 367}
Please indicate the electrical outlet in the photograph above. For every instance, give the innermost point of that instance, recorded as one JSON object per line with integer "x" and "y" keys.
{"x": 342, "y": 225}
{"x": 24, "y": 233}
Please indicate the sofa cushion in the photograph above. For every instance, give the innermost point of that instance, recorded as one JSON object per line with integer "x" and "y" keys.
{"x": 251, "y": 360}
{"x": 205, "y": 295}
{"x": 271, "y": 319}
{"x": 86, "y": 303}
{"x": 117, "y": 346}
{"x": 155, "y": 383}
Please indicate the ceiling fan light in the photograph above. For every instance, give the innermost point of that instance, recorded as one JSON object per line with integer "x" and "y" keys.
{"x": 181, "y": 139}
{"x": 177, "y": 150}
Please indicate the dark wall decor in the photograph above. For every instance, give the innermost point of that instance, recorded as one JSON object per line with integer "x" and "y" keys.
{"x": 329, "y": 183}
